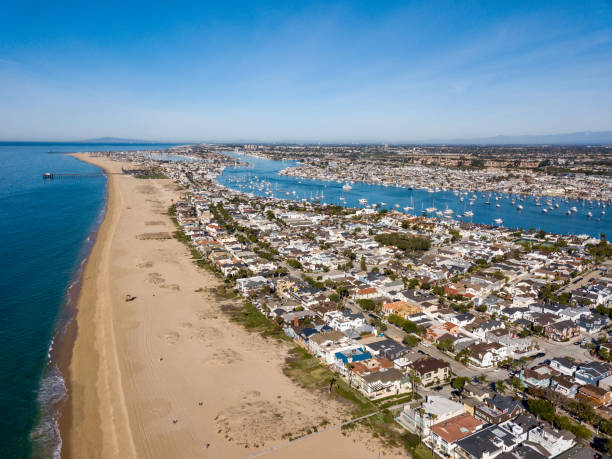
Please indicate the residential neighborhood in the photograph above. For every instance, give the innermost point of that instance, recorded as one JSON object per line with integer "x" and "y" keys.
{"x": 462, "y": 325}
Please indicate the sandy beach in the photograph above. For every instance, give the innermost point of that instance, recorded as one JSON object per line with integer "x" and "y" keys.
{"x": 167, "y": 374}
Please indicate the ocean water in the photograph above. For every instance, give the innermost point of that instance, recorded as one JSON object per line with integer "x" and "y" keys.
{"x": 555, "y": 220}
{"x": 46, "y": 229}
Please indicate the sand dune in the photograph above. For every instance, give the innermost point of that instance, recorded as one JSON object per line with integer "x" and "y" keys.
{"x": 167, "y": 375}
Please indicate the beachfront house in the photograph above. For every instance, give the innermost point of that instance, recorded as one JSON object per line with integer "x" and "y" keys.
{"x": 433, "y": 410}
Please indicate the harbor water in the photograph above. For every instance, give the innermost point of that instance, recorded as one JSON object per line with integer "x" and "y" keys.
{"x": 554, "y": 215}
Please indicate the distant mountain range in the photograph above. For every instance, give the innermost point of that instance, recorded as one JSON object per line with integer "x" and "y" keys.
{"x": 572, "y": 138}
{"x": 117, "y": 140}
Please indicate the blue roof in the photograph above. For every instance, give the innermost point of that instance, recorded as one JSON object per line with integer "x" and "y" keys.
{"x": 363, "y": 356}
{"x": 357, "y": 357}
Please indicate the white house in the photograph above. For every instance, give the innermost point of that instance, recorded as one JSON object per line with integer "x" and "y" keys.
{"x": 485, "y": 355}
{"x": 246, "y": 285}
{"x": 435, "y": 409}
{"x": 553, "y": 442}
{"x": 562, "y": 365}
{"x": 344, "y": 320}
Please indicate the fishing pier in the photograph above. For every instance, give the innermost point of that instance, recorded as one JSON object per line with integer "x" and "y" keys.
{"x": 53, "y": 176}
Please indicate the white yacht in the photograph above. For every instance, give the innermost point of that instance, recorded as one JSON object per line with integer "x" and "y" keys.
{"x": 347, "y": 187}
{"x": 499, "y": 221}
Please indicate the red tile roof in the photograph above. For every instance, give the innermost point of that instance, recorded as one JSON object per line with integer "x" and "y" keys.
{"x": 456, "y": 428}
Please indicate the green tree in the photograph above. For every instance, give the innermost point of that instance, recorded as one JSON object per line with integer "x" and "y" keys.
{"x": 379, "y": 325}
{"x": 413, "y": 283}
{"x": 455, "y": 236}
{"x": 363, "y": 264}
{"x": 606, "y": 426}
{"x": 516, "y": 382}
{"x": 446, "y": 345}
{"x": 459, "y": 382}
{"x": 367, "y": 304}
{"x": 403, "y": 241}
{"x": 609, "y": 446}
{"x": 411, "y": 441}
{"x": 294, "y": 263}
{"x": 583, "y": 411}
{"x": 542, "y": 408}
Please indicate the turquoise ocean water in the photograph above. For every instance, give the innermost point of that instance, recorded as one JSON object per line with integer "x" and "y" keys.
{"x": 46, "y": 229}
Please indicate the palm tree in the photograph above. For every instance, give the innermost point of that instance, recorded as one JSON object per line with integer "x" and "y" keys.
{"x": 414, "y": 380}
{"x": 421, "y": 412}
{"x": 431, "y": 418}
{"x": 349, "y": 372}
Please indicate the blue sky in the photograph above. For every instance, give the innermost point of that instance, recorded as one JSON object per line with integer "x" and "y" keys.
{"x": 307, "y": 71}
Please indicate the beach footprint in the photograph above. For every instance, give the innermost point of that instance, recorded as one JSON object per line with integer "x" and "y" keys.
{"x": 156, "y": 278}
{"x": 171, "y": 337}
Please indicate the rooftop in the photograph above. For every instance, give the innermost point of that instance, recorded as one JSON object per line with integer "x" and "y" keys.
{"x": 456, "y": 428}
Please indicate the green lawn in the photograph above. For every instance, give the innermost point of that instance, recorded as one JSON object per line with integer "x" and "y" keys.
{"x": 252, "y": 319}
{"x": 423, "y": 452}
{"x": 308, "y": 372}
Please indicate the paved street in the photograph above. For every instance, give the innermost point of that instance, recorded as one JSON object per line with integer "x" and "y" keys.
{"x": 581, "y": 281}
{"x": 555, "y": 349}
{"x": 493, "y": 374}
